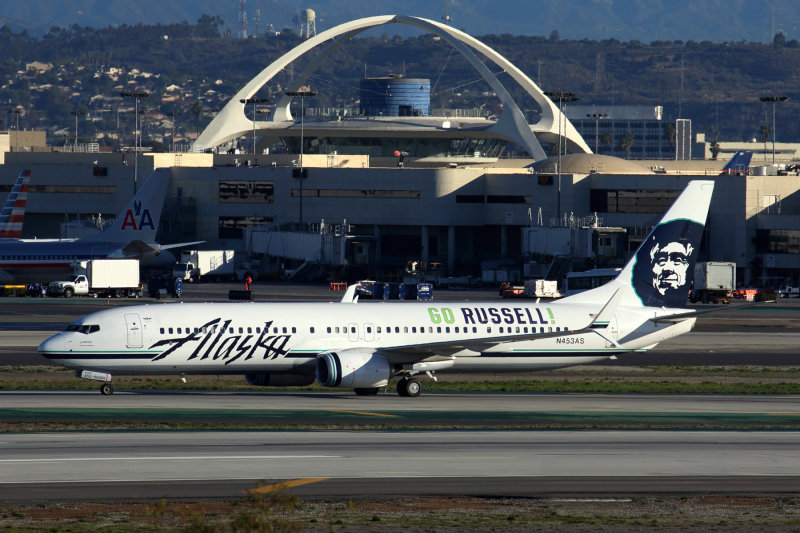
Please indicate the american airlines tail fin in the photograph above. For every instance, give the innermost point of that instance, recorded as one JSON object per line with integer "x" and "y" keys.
{"x": 739, "y": 163}
{"x": 659, "y": 274}
{"x": 139, "y": 220}
{"x": 14, "y": 209}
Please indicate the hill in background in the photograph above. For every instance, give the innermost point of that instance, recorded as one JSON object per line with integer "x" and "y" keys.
{"x": 624, "y": 20}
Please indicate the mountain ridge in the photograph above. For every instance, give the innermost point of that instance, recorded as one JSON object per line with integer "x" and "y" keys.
{"x": 624, "y": 20}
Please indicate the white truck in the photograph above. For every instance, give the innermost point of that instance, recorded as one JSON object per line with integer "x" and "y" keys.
{"x": 197, "y": 265}
{"x": 714, "y": 281}
{"x": 789, "y": 291}
{"x": 100, "y": 277}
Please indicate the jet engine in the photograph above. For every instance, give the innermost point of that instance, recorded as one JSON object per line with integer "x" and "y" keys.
{"x": 353, "y": 368}
{"x": 279, "y": 380}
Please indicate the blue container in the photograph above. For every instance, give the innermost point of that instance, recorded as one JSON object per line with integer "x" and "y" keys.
{"x": 408, "y": 291}
{"x": 391, "y": 291}
{"x": 424, "y": 291}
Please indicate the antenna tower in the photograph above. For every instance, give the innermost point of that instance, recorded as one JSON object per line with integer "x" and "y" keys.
{"x": 446, "y": 12}
{"x": 256, "y": 19}
{"x": 243, "y": 19}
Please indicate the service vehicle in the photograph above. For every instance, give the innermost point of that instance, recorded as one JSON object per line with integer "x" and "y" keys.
{"x": 714, "y": 281}
{"x": 202, "y": 265}
{"x": 117, "y": 278}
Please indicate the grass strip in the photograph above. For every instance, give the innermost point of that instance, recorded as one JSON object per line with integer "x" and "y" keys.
{"x": 23, "y": 419}
{"x": 520, "y": 386}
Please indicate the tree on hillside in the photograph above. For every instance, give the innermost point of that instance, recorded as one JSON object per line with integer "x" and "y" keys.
{"x": 197, "y": 111}
{"x": 765, "y": 132}
{"x": 669, "y": 131}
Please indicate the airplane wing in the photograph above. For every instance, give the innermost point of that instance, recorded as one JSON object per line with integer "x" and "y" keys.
{"x": 178, "y": 245}
{"x": 138, "y": 248}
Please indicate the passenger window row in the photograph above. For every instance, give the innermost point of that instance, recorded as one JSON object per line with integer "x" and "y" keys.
{"x": 332, "y": 330}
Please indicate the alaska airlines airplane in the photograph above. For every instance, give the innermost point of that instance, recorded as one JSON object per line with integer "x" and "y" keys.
{"x": 363, "y": 346}
{"x": 131, "y": 236}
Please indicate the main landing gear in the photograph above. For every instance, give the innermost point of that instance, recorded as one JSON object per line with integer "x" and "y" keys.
{"x": 409, "y": 387}
{"x": 107, "y": 388}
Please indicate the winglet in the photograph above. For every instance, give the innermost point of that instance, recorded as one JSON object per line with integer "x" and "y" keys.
{"x": 351, "y": 296}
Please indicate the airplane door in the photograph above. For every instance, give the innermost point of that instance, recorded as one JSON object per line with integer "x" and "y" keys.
{"x": 611, "y": 332}
{"x": 352, "y": 331}
{"x": 134, "y": 328}
{"x": 369, "y": 332}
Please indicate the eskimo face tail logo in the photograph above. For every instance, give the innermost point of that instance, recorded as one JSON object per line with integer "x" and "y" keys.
{"x": 138, "y": 218}
{"x": 665, "y": 262}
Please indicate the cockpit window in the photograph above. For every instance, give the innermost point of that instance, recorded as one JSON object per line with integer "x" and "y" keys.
{"x": 86, "y": 329}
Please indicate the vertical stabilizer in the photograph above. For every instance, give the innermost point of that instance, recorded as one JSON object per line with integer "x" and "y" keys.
{"x": 739, "y": 164}
{"x": 13, "y": 212}
{"x": 139, "y": 220}
{"x": 659, "y": 273}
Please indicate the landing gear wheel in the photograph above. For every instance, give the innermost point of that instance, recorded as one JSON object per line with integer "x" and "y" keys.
{"x": 409, "y": 387}
{"x": 414, "y": 387}
{"x": 366, "y": 391}
{"x": 106, "y": 389}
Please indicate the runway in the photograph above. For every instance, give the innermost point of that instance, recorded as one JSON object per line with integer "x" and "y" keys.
{"x": 223, "y": 464}
{"x": 383, "y": 451}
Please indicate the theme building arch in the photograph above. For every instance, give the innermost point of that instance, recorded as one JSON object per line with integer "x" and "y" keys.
{"x": 231, "y": 122}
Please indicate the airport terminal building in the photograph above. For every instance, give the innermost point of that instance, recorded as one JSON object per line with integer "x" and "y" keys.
{"x": 459, "y": 217}
{"x": 455, "y": 202}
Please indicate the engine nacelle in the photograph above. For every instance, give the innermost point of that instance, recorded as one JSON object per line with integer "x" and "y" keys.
{"x": 353, "y": 369}
{"x": 279, "y": 380}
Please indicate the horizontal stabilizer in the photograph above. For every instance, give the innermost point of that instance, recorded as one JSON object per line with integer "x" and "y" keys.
{"x": 678, "y": 317}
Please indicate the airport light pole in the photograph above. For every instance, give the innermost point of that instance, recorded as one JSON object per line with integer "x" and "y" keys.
{"x": 136, "y": 139}
{"x": 254, "y": 101}
{"x": 774, "y": 99}
{"x": 17, "y": 110}
{"x": 597, "y": 116}
{"x": 561, "y": 97}
{"x": 303, "y": 94}
{"x": 76, "y": 114}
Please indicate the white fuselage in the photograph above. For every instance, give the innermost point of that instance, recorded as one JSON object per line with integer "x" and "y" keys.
{"x": 243, "y": 338}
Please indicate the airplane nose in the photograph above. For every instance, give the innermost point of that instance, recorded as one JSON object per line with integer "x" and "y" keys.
{"x": 53, "y": 344}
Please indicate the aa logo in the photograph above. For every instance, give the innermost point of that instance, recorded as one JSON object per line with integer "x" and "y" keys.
{"x": 138, "y": 218}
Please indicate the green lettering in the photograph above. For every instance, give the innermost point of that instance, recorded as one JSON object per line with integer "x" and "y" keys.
{"x": 447, "y": 314}
{"x": 434, "y": 314}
